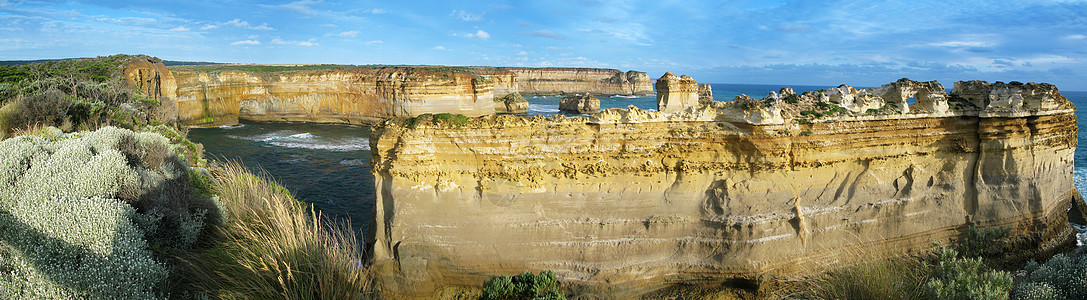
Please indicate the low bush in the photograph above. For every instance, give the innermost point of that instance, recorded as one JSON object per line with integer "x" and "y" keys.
{"x": 93, "y": 214}
{"x": 1062, "y": 277}
{"x": 965, "y": 278}
{"x": 274, "y": 247}
{"x": 523, "y": 286}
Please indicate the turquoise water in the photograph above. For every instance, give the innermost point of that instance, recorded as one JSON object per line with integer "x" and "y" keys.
{"x": 329, "y": 165}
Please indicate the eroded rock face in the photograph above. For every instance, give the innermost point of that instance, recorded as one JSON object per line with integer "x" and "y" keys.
{"x": 348, "y": 96}
{"x": 512, "y": 103}
{"x": 559, "y": 81}
{"x": 582, "y": 104}
{"x": 151, "y": 77}
{"x": 629, "y": 201}
{"x": 676, "y": 93}
{"x": 705, "y": 92}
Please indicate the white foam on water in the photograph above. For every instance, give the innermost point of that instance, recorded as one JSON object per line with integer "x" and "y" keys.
{"x": 543, "y": 108}
{"x": 232, "y": 127}
{"x": 339, "y": 145}
{"x": 1079, "y": 179}
{"x": 353, "y": 162}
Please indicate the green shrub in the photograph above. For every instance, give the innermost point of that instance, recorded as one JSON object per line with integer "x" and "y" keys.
{"x": 965, "y": 278}
{"x": 79, "y": 211}
{"x": 47, "y": 108}
{"x": 984, "y": 241}
{"x": 805, "y": 133}
{"x": 523, "y": 286}
{"x": 1062, "y": 277}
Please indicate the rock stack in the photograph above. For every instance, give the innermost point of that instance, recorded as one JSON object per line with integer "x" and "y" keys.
{"x": 705, "y": 92}
{"x": 676, "y": 93}
{"x": 512, "y": 103}
{"x": 582, "y": 104}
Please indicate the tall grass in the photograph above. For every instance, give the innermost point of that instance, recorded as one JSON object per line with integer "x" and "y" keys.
{"x": 891, "y": 278}
{"x": 274, "y": 247}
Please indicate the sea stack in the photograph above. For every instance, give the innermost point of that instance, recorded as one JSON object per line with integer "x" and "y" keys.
{"x": 705, "y": 92}
{"x": 582, "y": 104}
{"x": 675, "y": 93}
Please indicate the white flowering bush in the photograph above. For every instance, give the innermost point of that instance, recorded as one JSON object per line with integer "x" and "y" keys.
{"x": 80, "y": 213}
{"x": 1062, "y": 277}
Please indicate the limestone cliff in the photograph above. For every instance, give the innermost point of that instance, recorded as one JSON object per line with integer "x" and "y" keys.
{"x": 151, "y": 77}
{"x": 676, "y": 93}
{"x": 559, "y": 81}
{"x": 630, "y": 201}
{"x": 357, "y": 95}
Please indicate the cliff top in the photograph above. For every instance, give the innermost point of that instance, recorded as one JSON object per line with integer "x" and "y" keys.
{"x": 254, "y": 68}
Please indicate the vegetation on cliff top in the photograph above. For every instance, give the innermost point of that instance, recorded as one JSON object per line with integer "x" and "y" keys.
{"x": 75, "y": 94}
{"x": 316, "y": 67}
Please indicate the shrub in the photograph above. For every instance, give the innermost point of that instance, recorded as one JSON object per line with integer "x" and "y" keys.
{"x": 805, "y": 133}
{"x": 272, "y": 247}
{"x": 523, "y": 286}
{"x": 984, "y": 241}
{"x": 1062, "y": 277}
{"x": 77, "y": 213}
{"x": 965, "y": 278}
{"x": 48, "y": 108}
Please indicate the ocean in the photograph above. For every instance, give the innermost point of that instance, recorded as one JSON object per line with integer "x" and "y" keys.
{"x": 328, "y": 165}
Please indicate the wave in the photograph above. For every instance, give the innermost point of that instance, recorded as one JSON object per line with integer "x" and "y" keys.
{"x": 1079, "y": 180}
{"x": 539, "y": 108}
{"x": 341, "y": 145}
{"x": 354, "y": 162}
{"x": 625, "y": 96}
{"x": 231, "y": 127}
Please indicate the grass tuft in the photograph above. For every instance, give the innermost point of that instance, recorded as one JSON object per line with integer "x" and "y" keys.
{"x": 274, "y": 247}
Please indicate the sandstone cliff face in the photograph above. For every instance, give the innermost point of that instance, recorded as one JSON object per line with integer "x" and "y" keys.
{"x": 675, "y": 93}
{"x": 705, "y": 92}
{"x": 155, "y": 81}
{"x": 347, "y": 96}
{"x": 558, "y": 81}
{"x": 629, "y": 201}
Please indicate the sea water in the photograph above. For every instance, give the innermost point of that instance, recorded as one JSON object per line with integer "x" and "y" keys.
{"x": 329, "y": 165}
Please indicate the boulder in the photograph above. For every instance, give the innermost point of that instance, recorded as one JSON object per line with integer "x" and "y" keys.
{"x": 582, "y": 104}
{"x": 512, "y": 103}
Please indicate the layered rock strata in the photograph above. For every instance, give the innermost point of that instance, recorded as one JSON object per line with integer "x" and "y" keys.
{"x": 582, "y": 104}
{"x": 151, "y": 77}
{"x": 629, "y": 201}
{"x": 676, "y": 93}
{"x": 354, "y": 96}
{"x": 561, "y": 81}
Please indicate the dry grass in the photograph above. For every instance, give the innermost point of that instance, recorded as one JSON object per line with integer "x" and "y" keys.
{"x": 274, "y": 247}
{"x": 892, "y": 278}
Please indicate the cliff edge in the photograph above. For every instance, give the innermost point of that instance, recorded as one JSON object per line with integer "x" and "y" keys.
{"x": 630, "y": 201}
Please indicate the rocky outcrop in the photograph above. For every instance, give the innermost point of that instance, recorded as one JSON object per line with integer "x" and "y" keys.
{"x": 629, "y": 201}
{"x": 582, "y": 104}
{"x": 676, "y": 93}
{"x": 354, "y": 96}
{"x": 151, "y": 77}
{"x": 512, "y": 103}
{"x": 561, "y": 81}
{"x": 705, "y": 92}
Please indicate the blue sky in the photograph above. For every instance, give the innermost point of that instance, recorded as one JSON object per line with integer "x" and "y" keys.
{"x": 772, "y": 42}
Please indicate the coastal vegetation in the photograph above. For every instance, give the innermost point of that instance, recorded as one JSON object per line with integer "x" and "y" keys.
{"x": 118, "y": 204}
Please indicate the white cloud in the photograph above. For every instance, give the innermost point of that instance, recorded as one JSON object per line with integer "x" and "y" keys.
{"x": 209, "y": 26}
{"x": 352, "y": 33}
{"x": 245, "y": 42}
{"x": 376, "y": 11}
{"x": 466, "y": 16}
{"x": 179, "y": 28}
{"x": 959, "y": 44}
{"x": 301, "y": 7}
{"x": 522, "y": 53}
{"x": 480, "y": 34}
{"x": 438, "y": 48}
{"x": 1075, "y": 37}
{"x": 262, "y": 27}
{"x": 309, "y": 43}
{"x": 374, "y": 42}
{"x": 237, "y": 23}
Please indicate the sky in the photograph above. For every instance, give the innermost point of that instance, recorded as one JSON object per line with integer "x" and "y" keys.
{"x": 827, "y": 43}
